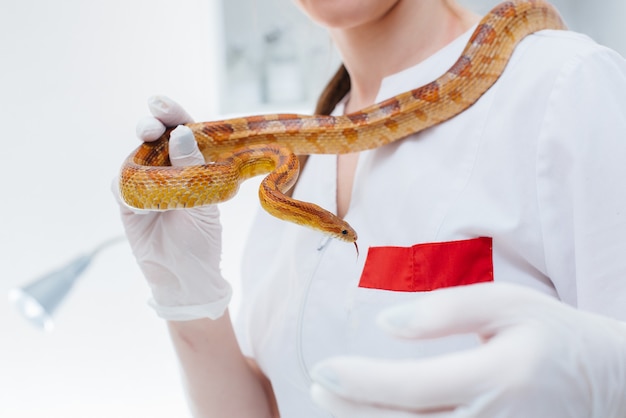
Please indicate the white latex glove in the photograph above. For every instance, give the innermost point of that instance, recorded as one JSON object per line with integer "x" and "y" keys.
{"x": 539, "y": 358}
{"x": 178, "y": 251}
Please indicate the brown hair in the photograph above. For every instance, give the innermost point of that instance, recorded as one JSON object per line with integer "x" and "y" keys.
{"x": 335, "y": 90}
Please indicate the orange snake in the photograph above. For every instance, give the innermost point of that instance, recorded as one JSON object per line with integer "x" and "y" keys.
{"x": 241, "y": 148}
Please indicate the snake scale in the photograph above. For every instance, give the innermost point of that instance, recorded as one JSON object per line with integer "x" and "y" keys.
{"x": 240, "y": 148}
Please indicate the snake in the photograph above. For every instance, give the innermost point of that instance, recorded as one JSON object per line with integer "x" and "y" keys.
{"x": 240, "y": 148}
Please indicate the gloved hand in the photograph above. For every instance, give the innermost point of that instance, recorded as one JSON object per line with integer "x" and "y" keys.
{"x": 178, "y": 251}
{"x": 539, "y": 358}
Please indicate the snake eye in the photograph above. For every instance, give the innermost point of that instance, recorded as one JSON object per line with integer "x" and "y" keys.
{"x": 344, "y": 232}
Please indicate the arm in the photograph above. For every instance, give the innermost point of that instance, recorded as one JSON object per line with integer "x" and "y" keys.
{"x": 219, "y": 380}
{"x": 179, "y": 252}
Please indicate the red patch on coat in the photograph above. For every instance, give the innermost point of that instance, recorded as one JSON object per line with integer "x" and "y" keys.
{"x": 426, "y": 267}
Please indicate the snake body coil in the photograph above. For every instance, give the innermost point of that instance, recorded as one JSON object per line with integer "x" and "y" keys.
{"x": 240, "y": 148}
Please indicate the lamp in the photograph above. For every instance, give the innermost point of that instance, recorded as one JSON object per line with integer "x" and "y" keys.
{"x": 38, "y": 300}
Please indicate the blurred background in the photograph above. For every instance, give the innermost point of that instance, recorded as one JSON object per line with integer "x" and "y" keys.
{"x": 75, "y": 77}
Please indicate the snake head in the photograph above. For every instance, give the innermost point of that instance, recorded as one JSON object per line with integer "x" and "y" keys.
{"x": 344, "y": 232}
{"x": 349, "y": 235}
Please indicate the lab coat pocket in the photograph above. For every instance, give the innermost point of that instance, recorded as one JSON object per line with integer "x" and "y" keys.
{"x": 426, "y": 267}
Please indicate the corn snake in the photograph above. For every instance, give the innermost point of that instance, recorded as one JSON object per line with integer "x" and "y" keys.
{"x": 240, "y": 148}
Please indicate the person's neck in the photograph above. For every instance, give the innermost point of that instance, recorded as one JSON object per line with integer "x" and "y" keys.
{"x": 408, "y": 34}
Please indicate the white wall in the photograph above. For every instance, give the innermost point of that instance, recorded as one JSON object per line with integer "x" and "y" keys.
{"x": 74, "y": 77}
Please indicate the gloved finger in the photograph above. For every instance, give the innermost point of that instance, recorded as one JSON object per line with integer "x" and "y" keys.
{"x": 184, "y": 151}
{"x": 168, "y": 111}
{"x": 481, "y": 308}
{"x": 443, "y": 382}
{"x": 344, "y": 408}
{"x": 184, "y": 148}
{"x": 149, "y": 129}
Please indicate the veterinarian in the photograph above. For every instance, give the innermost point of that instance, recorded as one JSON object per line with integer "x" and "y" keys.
{"x": 492, "y": 275}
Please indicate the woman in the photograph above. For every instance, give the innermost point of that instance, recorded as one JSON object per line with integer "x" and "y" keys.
{"x": 521, "y": 191}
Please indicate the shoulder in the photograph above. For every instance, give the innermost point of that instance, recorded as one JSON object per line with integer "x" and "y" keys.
{"x": 560, "y": 44}
{"x": 557, "y": 54}
{"x": 562, "y": 72}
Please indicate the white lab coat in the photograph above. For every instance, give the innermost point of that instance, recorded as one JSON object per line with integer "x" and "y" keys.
{"x": 537, "y": 165}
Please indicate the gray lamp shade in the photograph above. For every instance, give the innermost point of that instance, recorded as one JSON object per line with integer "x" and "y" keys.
{"x": 38, "y": 300}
